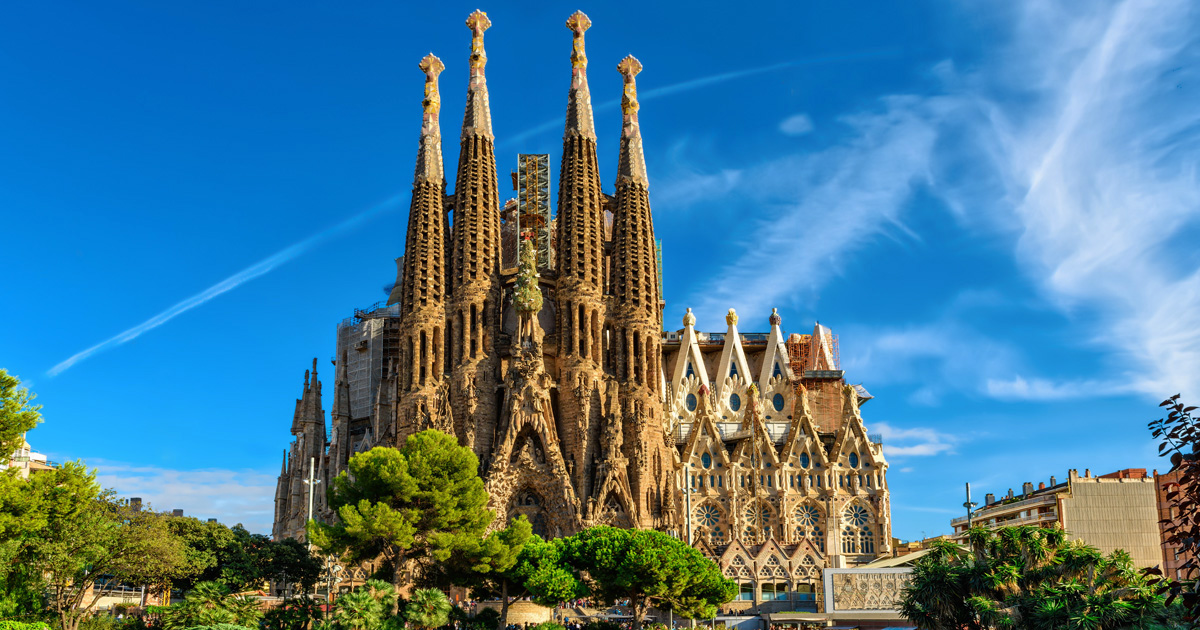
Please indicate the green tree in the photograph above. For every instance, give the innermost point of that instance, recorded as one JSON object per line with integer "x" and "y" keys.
{"x": 410, "y": 507}
{"x": 84, "y": 542}
{"x": 1180, "y": 435}
{"x": 289, "y": 561}
{"x": 429, "y": 608}
{"x": 648, "y": 568}
{"x": 1028, "y": 577}
{"x": 207, "y": 547}
{"x": 511, "y": 564}
{"x": 17, "y": 414}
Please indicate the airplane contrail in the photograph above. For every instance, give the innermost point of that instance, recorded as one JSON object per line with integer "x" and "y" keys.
{"x": 695, "y": 84}
{"x": 232, "y": 282}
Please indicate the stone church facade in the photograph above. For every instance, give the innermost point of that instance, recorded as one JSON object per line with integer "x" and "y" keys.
{"x": 556, "y": 370}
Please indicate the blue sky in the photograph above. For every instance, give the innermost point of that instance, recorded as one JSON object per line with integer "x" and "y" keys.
{"x": 995, "y": 205}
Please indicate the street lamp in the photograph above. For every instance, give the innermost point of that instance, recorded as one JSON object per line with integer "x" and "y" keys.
{"x": 312, "y": 488}
{"x": 970, "y": 505}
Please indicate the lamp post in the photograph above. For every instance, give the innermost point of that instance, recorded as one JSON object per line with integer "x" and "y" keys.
{"x": 970, "y": 505}
{"x": 312, "y": 487}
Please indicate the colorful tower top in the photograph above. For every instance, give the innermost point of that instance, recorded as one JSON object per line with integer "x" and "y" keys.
{"x": 478, "y": 118}
{"x": 579, "y": 107}
{"x": 429, "y": 156}
{"x": 633, "y": 160}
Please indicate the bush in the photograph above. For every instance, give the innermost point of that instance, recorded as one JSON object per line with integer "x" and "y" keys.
{"x": 24, "y": 625}
{"x": 295, "y": 614}
{"x": 549, "y": 625}
{"x": 220, "y": 626}
{"x": 486, "y": 619}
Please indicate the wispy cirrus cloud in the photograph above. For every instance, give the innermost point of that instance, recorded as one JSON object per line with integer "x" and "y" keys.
{"x": 259, "y": 268}
{"x": 1079, "y": 141}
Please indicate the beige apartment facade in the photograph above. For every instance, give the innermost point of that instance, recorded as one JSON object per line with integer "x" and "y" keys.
{"x": 1114, "y": 511}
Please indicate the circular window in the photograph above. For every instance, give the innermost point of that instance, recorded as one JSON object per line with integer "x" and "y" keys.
{"x": 735, "y": 402}
{"x": 778, "y": 402}
{"x": 691, "y": 402}
{"x": 804, "y": 461}
{"x": 708, "y": 515}
{"x": 706, "y": 460}
{"x": 808, "y": 516}
{"x": 854, "y": 460}
{"x": 858, "y": 515}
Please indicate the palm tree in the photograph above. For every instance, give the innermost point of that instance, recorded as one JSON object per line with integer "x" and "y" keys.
{"x": 429, "y": 608}
{"x": 1028, "y": 577}
{"x": 358, "y": 611}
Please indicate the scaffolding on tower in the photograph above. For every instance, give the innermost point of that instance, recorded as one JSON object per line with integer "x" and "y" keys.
{"x": 533, "y": 203}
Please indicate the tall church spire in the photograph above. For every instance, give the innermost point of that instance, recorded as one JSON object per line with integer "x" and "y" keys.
{"x": 581, "y": 309}
{"x": 423, "y": 291}
{"x": 637, "y": 321}
{"x": 474, "y": 313}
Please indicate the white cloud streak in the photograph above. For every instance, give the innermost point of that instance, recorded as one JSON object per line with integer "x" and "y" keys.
{"x": 228, "y": 284}
{"x": 1080, "y": 137}
{"x": 796, "y": 125}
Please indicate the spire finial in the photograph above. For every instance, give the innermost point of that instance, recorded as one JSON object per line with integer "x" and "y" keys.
{"x": 478, "y": 117}
{"x": 629, "y": 68}
{"x": 432, "y": 67}
{"x": 775, "y": 319}
{"x": 632, "y": 159}
{"x": 731, "y": 318}
{"x": 578, "y": 23}
{"x": 478, "y": 22}
{"x": 429, "y": 158}
{"x": 305, "y": 380}
{"x": 579, "y": 103}
{"x": 689, "y": 319}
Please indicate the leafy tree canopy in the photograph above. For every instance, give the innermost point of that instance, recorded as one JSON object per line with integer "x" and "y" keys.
{"x": 511, "y": 564}
{"x": 17, "y": 414}
{"x": 77, "y": 536}
{"x": 411, "y": 507}
{"x": 648, "y": 568}
{"x": 1028, "y": 577}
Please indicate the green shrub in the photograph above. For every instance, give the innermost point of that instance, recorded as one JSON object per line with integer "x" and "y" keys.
{"x": 486, "y": 619}
{"x": 220, "y": 626}
{"x": 549, "y": 625}
{"x": 24, "y": 625}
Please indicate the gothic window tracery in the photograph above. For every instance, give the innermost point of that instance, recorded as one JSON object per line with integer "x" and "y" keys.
{"x": 708, "y": 515}
{"x": 808, "y": 525}
{"x": 857, "y": 536}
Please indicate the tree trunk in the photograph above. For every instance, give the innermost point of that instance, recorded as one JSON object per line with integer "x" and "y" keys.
{"x": 503, "y": 623}
{"x": 639, "y": 607}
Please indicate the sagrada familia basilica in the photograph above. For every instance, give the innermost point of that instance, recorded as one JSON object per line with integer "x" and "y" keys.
{"x": 539, "y": 342}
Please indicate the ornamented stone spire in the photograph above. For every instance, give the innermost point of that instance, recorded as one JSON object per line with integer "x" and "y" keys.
{"x": 473, "y": 313}
{"x": 429, "y": 156}
{"x": 423, "y": 285}
{"x": 478, "y": 118}
{"x": 580, "y": 264}
{"x": 633, "y": 160}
